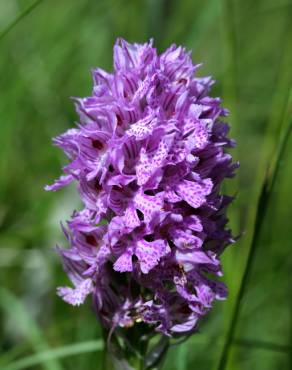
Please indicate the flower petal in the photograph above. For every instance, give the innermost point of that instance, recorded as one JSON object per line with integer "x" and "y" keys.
{"x": 77, "y": 295}
{"x": 149, "y": 253}
{"x": 194, "y": 193}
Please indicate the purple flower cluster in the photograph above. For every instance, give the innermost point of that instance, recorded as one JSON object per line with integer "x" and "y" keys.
{"x": 149, "y": 157}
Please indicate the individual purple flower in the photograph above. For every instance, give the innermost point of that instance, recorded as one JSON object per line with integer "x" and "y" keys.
{"x": 148, "y": 156}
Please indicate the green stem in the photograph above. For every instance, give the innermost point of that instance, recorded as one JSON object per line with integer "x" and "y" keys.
{"x": 126, "y": 356}
{"x": 133, "y": 349}
{"x": 107, "y": 360}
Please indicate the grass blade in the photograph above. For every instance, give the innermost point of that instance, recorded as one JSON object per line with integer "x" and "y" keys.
{"x": 26, "y": 11}
{"x": 15, "y": 310}
{"x": 278, "y": 123}
{"x": 13, "y": 353}
{"x": 257, "y": 344}
{"x": 56, "y": 353}
{"x": 265, "y": 195}
{"x": 182, "y": 356}
{"x": 290, "y": 314}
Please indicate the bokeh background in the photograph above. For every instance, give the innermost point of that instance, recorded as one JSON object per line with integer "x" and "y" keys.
{"x": 47, "y": 49}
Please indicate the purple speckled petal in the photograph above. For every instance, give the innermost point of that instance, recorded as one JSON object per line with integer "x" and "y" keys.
{"x": 131, "y": 218}
{"x": 185, "y": 239}
{"x": 124, "y": 262}
{"x": 194, "y": 193}
{"x": 149, "y": 253}
{"x": 149, "y": 205}
{"x": 78, "y": 295}
{"x": 191, "y": 258}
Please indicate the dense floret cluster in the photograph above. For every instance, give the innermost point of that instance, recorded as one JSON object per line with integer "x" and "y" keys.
{"x": 148, "y": 157}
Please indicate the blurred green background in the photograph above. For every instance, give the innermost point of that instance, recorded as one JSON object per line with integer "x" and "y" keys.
{"x": 45, "y": 58}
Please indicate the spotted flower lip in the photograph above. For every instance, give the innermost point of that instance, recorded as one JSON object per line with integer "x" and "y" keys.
{"x": 148, "y": 156}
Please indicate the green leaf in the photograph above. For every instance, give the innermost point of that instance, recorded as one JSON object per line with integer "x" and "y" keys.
{"x": 17, "y": 312}
{"x": 56, "y": 353}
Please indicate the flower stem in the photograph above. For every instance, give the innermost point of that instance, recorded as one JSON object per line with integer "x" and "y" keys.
{"x": 107, "y": 361}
